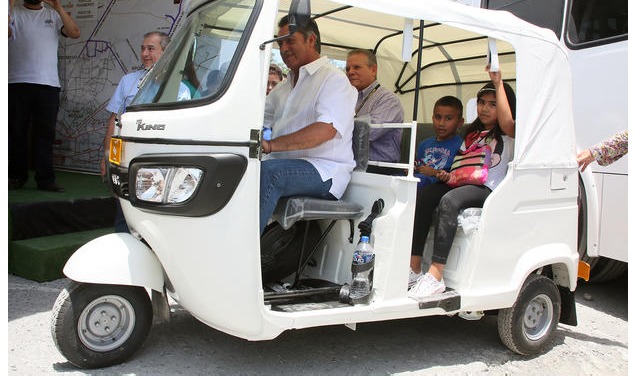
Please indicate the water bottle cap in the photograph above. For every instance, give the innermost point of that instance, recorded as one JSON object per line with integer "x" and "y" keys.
{"x": 365, "y": 239}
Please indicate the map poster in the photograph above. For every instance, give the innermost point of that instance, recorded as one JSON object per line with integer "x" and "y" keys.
{"x": 90, "y": 69}
{"x": 82, "y": 10}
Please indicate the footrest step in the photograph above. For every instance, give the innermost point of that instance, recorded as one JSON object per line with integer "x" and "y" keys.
{"x": 448, "y": 301}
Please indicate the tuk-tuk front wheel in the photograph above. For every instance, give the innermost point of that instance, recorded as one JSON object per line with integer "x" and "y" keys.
{"x": 529, "y": 325}
{"x": 96, "y": 326}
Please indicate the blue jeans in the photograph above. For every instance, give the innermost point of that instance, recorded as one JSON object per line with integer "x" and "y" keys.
{"x": 286, "y": 178}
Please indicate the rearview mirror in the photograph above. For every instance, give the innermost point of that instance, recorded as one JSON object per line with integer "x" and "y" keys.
{"x": 298, "y": 14}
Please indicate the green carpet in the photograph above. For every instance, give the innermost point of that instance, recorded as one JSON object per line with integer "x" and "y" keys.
{"x": 42, "y": 258}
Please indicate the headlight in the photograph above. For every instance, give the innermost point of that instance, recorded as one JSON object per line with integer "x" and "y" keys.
{"x": 166, "y": 184}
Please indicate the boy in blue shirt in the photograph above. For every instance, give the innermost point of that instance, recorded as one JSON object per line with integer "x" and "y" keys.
{"x": 437, "y": 153}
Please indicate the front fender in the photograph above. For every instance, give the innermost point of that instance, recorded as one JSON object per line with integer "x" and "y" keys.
{"x": 117, "y": 258}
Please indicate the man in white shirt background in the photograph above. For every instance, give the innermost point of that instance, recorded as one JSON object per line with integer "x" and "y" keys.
{"x": 153, "y": 46}
{"x": 34, "y": 87}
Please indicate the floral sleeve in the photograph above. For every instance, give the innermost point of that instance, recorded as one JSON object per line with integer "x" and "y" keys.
{"x": 610, "y": 150}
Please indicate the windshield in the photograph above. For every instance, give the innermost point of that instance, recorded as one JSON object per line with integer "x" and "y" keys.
{"x": 196, "y": 63}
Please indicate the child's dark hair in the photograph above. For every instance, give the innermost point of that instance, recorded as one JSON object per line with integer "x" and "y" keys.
{"x": 477, "y": 124}
{"x": 450, "y": 101}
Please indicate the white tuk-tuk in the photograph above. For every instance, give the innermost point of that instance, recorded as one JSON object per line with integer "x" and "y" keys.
{"x": 187, "y": 176}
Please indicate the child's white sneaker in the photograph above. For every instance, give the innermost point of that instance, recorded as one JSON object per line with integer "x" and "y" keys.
{"x": 413, "y": 277}
{"x": 426, "y": 285}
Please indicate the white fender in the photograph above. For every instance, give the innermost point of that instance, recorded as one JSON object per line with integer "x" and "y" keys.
{"x": 117, "y": 258}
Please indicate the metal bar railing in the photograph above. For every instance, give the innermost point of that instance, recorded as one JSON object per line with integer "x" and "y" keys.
{"x": 409, "y": 166}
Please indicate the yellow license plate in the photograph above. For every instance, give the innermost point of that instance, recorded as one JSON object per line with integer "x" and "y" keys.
{"x": 116, "y": 150}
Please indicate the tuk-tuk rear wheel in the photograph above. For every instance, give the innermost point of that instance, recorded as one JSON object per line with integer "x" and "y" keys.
{"x": 529, "y": 325}
{"x": 96, "y": 326}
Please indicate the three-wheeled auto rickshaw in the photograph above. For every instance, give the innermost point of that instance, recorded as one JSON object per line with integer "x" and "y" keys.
{"x": 187, "y": 176}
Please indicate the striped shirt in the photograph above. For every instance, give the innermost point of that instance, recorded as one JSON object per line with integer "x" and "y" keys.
{"x": 382, "y": 106}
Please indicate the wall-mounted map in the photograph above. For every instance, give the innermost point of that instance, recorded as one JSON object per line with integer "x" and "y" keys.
{"x": 90, "y": 69}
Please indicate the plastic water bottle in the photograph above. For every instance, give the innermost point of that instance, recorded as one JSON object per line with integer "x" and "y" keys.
{"x": 362, "y": 266}
{"x": 364, "y": 251}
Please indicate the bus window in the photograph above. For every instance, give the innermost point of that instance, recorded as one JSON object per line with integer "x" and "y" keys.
{"x": 594, "y": 20}
{"x": 543, "y": 13}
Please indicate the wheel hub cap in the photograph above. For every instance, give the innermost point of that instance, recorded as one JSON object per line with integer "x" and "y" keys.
{"x": 538, "y": 317}
{"x": 106, "y": 323}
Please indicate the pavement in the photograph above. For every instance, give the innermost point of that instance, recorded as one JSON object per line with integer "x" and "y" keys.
{"x": 438, "y": 345}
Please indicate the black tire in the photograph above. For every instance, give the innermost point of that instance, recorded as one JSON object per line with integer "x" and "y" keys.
{"x": 582, "y": 228}
{"x": 601, "y": 269}
{"x": 280, "y": 249}
{"x": 83, "y": 318}
{"x": 607, "y": 270}
{"x": 528, "y": 327}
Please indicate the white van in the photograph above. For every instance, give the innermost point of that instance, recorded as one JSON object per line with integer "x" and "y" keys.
{"x": 187, "y": 176}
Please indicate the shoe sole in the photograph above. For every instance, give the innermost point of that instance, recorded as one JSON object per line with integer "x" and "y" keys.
{"x": 419, "y": 297}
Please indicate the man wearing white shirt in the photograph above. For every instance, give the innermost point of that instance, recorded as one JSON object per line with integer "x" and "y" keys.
{"x": 311, "y": 115}
{"x": 33, "y": 101}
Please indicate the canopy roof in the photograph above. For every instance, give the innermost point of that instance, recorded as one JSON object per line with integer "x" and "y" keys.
{"x": 455, "y": 39}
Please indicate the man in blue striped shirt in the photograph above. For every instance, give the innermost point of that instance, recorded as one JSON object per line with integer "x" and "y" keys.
{"x": 377, "y": 102}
